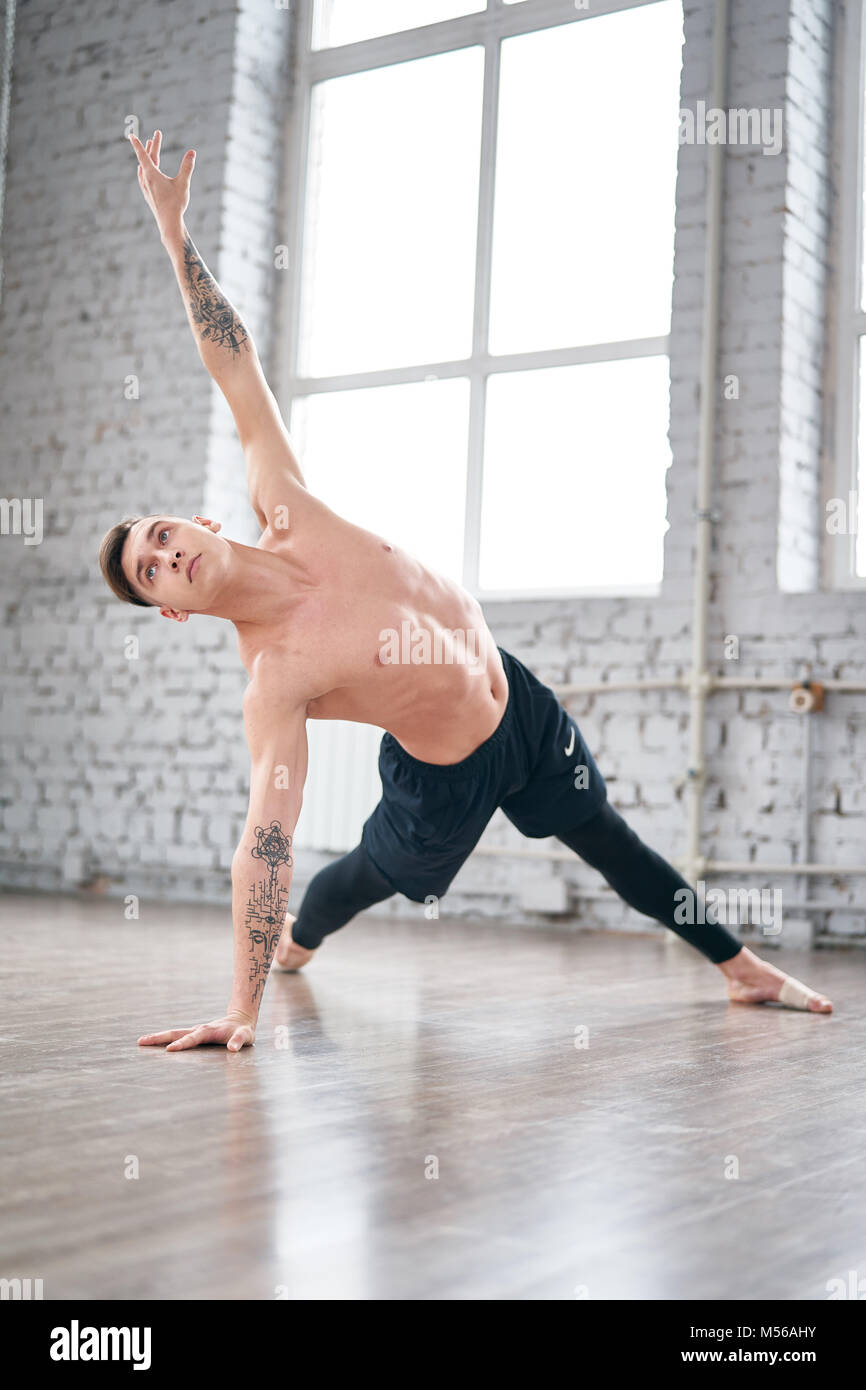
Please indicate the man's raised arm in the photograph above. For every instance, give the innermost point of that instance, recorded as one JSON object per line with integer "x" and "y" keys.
{"x": 222, "y": 338}
{"x": 261, "y": 868}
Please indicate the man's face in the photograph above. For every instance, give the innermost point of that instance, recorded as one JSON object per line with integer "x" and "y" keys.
{"x": 179, "y": 565}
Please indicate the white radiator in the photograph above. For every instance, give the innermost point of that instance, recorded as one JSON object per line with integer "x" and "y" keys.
{"x": 342, "y": 785}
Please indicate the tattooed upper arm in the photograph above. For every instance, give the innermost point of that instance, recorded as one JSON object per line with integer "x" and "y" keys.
{"x": 215, "y": 318}
{"x": 274, "y": 474}
{"x": 230, "y": 356}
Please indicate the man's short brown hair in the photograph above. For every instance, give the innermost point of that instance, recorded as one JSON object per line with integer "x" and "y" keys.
{"x": 110, "y": 552}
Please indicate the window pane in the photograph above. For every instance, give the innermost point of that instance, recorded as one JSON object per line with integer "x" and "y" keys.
{"x": 392, "y": 211}
{"x": 863, "y": 205}
{"x": 860, "y": 523}
{"x": 574, "y": 476}
{"x": 349, "y": 21}
{"x": 585, "y": 180}
{"x": 393, "y": 459}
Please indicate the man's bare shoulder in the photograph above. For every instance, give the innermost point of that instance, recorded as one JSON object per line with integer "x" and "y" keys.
{"x": 277, "y": 694}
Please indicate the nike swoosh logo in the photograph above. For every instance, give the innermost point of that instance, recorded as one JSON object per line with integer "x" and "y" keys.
{"x": 570, "y": 749}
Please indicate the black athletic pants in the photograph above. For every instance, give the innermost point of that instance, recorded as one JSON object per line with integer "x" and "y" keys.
{"x": 640, "y": 876}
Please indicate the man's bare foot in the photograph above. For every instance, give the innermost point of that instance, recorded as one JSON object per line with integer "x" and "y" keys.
{"x": 752, "y": 981}
{"x": 289, "y": 955}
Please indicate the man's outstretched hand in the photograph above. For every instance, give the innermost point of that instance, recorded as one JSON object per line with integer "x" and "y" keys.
{"x": 167, "y": 198}
{"x": 236, "y": 1030}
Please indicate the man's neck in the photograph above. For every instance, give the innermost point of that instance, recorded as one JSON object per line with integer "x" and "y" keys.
{"x": 258, "y": 589}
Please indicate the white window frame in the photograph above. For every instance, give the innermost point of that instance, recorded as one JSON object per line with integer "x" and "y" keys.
{"x": 486, "y": 29}
{"x": 851, "y": 319}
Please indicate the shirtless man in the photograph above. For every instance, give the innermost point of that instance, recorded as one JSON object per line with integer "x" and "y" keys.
{"x": 317, "y": 605}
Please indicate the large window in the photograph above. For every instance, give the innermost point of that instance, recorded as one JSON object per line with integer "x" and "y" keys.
{"x": 481, "y": 293}
{"x": 846, "y": 513}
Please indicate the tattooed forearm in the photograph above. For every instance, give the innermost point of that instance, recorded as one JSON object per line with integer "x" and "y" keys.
{"x": 268, "y": 904}
{"x": 214, "y": 317}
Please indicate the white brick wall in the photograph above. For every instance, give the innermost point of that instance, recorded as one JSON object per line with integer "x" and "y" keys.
{"x": 121, "y": 761}
{"x": 137, "y": 769}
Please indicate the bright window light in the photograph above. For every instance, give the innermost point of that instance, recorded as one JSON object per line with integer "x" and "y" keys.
{"x": 583, "y": 232}
{"x": 391, "y": 216}
{"x": 574, "y": 477}
{"x": 860, "y": 543}
{"x": 392, "y": 459}
{"x": 559, "y": 472}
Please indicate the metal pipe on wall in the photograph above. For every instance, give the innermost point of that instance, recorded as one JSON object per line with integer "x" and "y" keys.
{"x": 710, "y": 866}
{"x": 714, "y": 683}
{"x": 699, "y": 677}
{"x": 805, "y": 887}
{"x": 735, "y": 866}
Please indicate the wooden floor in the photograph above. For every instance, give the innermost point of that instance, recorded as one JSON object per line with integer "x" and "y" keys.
{"x": 298, "y": 1170}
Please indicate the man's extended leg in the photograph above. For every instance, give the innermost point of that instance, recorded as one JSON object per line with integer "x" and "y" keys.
{"x": 645, "y": 880}
{"x": 648, "y": 884}
{"x": 334, "y": 896}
